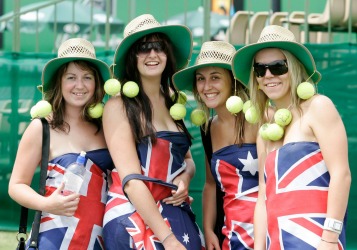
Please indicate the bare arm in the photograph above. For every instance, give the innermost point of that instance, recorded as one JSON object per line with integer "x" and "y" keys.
{"x": 27, "y": 159}
{"x": 209, "y": 210}
{"x": 122, "y": 147}
{"x": 260, "y": 216}
{"x": 335, "y": 152}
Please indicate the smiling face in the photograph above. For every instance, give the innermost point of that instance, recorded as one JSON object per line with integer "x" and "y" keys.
{"x": 78, "y": 85}
{"x": 276, "y": 87}
{"x": 214, "y": 86}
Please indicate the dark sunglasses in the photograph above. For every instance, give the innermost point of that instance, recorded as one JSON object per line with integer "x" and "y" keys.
{"x": 145, "y": 48}
{"x": 277, "y": 68}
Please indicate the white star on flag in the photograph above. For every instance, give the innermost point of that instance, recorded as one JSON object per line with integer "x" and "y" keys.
{"x": 186, "y": 239}
{"x": 250, "y": 164}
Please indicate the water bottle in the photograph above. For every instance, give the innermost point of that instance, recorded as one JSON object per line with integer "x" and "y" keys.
{"x": 74, "y": 175}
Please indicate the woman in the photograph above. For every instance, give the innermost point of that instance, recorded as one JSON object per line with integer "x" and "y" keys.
{"x": 304, "y": 176}
{"x": 71, "y": 83}
{"x": 233, "y": 164}
{"x": 147, "y": 144}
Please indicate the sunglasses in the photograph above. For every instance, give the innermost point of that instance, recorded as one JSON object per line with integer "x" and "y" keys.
{"x": 144, "y": 48}
{"x": 277, "y": 68}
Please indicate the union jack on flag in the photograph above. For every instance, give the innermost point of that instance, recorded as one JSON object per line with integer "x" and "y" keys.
{"x": 297, "y": 183}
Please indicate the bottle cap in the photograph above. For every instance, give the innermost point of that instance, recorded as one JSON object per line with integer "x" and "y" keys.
{"x": 81, "y": 158}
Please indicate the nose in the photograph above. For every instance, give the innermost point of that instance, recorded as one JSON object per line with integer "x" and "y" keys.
{"x": 268, "y": 73}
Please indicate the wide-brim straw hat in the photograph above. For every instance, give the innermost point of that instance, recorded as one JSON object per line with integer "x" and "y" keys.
{"x": 273, "y": 36}
{"x": 179, "y": 35}
{"x": 71, "y": 50}
{"x": 212, "y": 53}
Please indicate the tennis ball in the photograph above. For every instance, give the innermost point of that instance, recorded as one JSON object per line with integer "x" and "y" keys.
{"x": 198, "y": 117}
{"x": 251, "y": 115}
{"x": 178, "y": 111}
{"x": 246, "y": 106}
{"x": 182, "y": 98}
{"x": 282, "y": 117}
{"x": 130, "y": 89}
{"x": 274, "y": 132}
{"x": 263, "y": 131}
{"x": 112, "y": 86}
{"x": 41, "y": 109}
{"x": 305, "y": 90}
{"x": 234, "y": 104}
{"x": 96, "y": 110}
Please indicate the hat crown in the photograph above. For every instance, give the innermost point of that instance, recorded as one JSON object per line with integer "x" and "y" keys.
{"x": 76, "y": 47}
{"x": 140, "y": 23}
{"x": 274, "y": 33}
{"x": 216, "y": 52}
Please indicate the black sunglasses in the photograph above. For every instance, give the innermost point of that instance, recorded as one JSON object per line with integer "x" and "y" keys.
{"x": 277, "y": 68}
{"x": 145, "y": 48}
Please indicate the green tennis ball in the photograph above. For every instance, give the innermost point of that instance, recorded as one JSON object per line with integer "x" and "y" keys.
{"x": 112, "y": 86}
{"x": 263, "y": 131}
{"x": 96, "y": 110}
{"x": 234, "y": 104}
{"x": 198, "y": 117}
{"x": 178, "y": 111}
{"x": 274, "y": 132}
{"x": 41, "y": 109}
{"x": 251, "y": 115}
{"x": 305, "y": 90}
{"x": 282, "y": 117}
{"x": 182, "y": 98}
{"x": 246, "y": 106}
{"x": 130, "y": 89}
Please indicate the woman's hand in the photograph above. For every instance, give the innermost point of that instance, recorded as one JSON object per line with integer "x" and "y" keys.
{"x": 59, "y": 204}
{"x": 172, "y": 243}
{"x": 178, "y": 196}
{"x": 212, "y": 242}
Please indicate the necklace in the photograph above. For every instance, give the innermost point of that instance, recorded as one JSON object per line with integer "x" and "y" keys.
{"x": 275, "y": 131}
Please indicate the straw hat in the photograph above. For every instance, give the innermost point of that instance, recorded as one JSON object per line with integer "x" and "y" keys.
{"x": 273, "y": 36}
{"x": 71, "y": 50}
{"x": 213, "y": 53}
{"x": 180, "y": 37}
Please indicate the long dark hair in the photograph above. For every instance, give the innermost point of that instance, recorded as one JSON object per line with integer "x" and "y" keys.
{"x": 139, "y": 109}
{"x": 55, "y": 98}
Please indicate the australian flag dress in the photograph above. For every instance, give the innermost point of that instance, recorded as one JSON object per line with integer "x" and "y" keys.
{"x": 297, "y": 183}
{"x": 83, "y": 230}
{"x": 123, "y": 226}
{"x": 235, "y": 170}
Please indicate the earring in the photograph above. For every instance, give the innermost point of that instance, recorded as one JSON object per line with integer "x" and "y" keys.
{"x": 305, "y": 90}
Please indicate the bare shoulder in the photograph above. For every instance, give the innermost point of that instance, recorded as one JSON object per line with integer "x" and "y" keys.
{"x": 113, "y": 106}
{"x": 320, "y": 103}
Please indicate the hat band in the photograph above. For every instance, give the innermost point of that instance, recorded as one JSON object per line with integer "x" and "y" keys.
{"x": 214, "y": 57}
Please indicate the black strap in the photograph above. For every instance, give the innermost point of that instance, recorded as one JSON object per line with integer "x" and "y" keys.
{"x": 43, "y": 175}
{"x": 207, "y": 145}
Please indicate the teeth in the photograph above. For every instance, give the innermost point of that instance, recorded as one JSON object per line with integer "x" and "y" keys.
{"x": 152, "y": 63}
{"x": 210, "y": 95}
{"x": 272, "y": 84}
{"x": 78, "y": 94}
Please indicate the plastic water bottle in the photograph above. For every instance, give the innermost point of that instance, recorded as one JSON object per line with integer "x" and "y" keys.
{"x": 74, "y": 175}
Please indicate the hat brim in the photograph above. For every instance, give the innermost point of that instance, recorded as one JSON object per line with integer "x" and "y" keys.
{"x": 53, "y": 65}
{"x": 179, "y": 35}
{"x": 243, "y": 58}
{"x": 185, "y": 78}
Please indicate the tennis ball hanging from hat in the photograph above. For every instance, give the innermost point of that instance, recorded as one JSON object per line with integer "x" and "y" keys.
{"x": 251, "y": 115}
{"x": 198, "y": 117}
{"x": 112, "y": 86}
{"x": 305, "y": 90}
{"x": 41, "y": 109}
{"x": 178, "y": 111}
{"x": 182, "y": 98}
{"x": 131, "y": 89}
{"x": 96, "y": 110}
{"x": 234, "y": 104}
{"x": 283, "y": 117}
{"x": 246, "y": 106}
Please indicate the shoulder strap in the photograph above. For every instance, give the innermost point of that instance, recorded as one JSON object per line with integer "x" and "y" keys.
{"x": 43, "y": 175}
{"x": 206, "y": 141}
